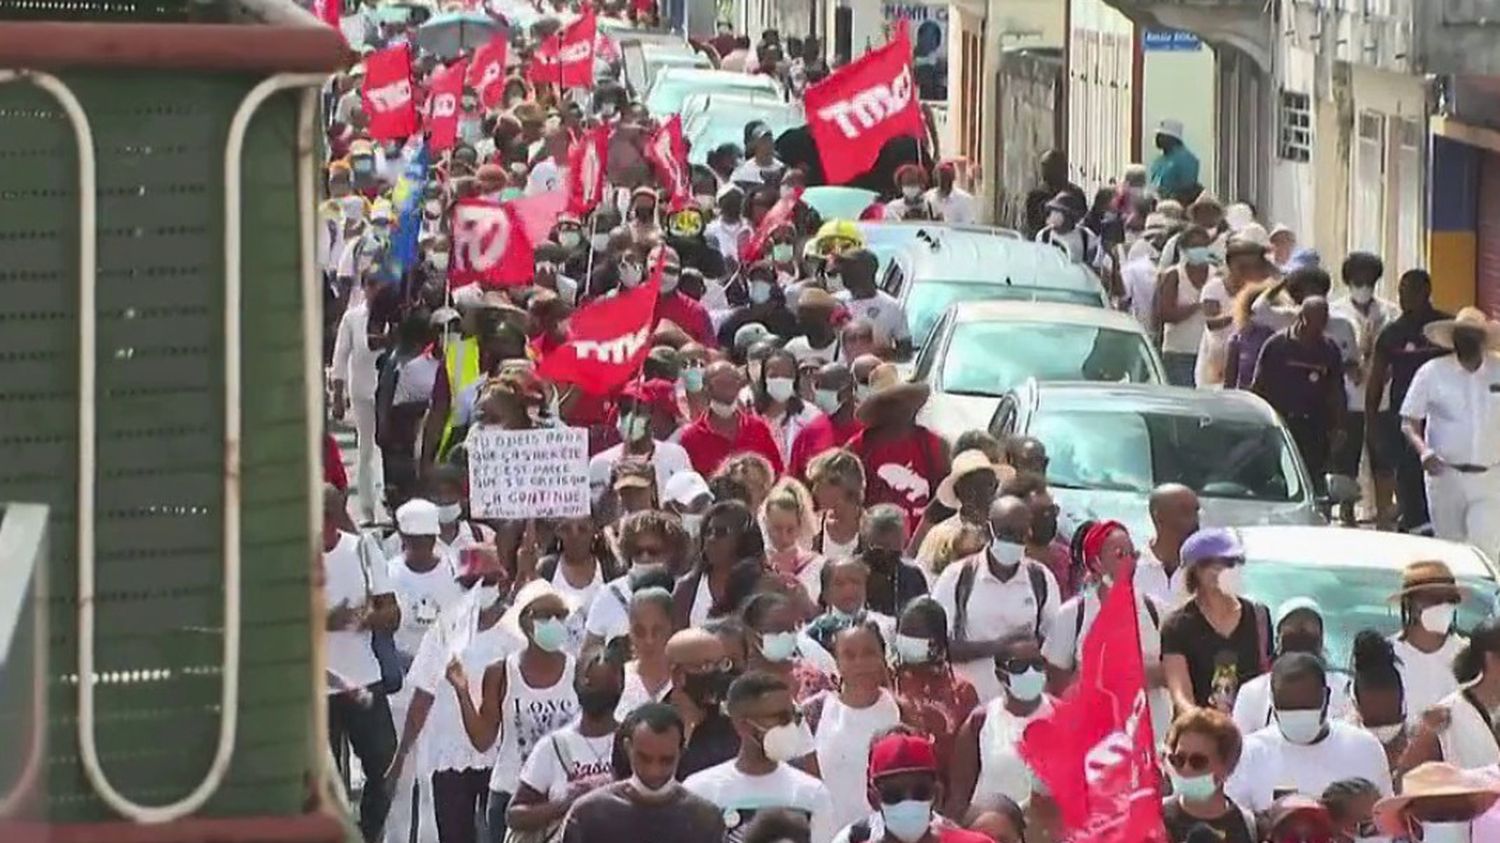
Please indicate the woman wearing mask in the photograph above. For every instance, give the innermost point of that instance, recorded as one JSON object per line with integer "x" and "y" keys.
{"x": 986, "y": 758}
{"x": 786, "y": 518}
{"x": 933, "y": 698}
{"x": 648, "y": 542}
{"x": 911, "y": 204}
{"x": 574, "y": 760}
{"x": 844, "y": 722}
{"x": 1379, "y": 700}
{"x": 526, "y": 696}
{"x": 648, "y": 676}
{"x": 771, "y": 624}
{"x": 837, "y": 479}
{"x": 455, "y": 532}
{"x": 577, "y": 565}
{"x": 845, "y": 589}
{"x": 1428, "y": 643}
{"x": 1459, "y": 730}
{"x": 1203, "y": 747}
{"x": 778, "y": 402}
{"x": 756, "y": 297}
{"x": 729, "y": 535}
{"x": 1179, "y": 305}
{"x": 783, "y": 252}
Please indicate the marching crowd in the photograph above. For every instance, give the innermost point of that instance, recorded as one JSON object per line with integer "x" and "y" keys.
{"x": 794, "y": 613}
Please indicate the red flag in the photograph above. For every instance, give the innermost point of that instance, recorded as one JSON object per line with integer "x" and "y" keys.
{"x": 443, "y": 105}
{"x": 853, "y": 112}
{"x": 387, "y": 94}
{"x": 668, "y": 156}
{"x": 779, "y": 215}
{"x": 587, "y": 160}
{"x": 330, "y": 12}
{"x": 538, "y": 213}
{"x": 567, "y": 58}
{"x": 1095, "y": 750}
{"x": 487, "y": 70}
{"x": 607, "y": 340}
{"x": 490, "y": 246}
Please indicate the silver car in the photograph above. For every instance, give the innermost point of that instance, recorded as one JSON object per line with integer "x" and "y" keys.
{"x": 1111, "y": 444}
{"x": 979, "y": 351}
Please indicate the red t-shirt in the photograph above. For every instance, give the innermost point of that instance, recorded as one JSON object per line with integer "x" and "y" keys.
{"x": 708, "y": 449}
{"x": 688, "y": 315}
{"x": 821, "y": 434}
{"x": 904, "y": 471}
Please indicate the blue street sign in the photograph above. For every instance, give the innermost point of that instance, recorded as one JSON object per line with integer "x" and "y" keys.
{"x": 1170, "y": 41}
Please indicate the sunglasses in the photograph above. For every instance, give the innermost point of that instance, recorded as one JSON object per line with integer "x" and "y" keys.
{"x": 718, "y": 531}
{"x": 1189, "y": 761}
{"x": 1019, "y": 665}
{"x": 891, "y": 794}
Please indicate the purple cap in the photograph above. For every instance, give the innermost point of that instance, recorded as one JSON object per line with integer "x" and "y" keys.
{"x": 1212, "y": 543}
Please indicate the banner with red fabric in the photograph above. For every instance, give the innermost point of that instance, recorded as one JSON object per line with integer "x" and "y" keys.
{"x": 487, "y": 70}
{"x": 444, "y": 105}
{"x": 1095, "y": 751}
{"x": 538, "y": 213}
{"x": 607, "y": 340}
{"x": 387, "y": 94}
{"x": 567, "y": 57}
{"x": 490, "y": 245}
{"x": 330, "y": 12}
{"x": 587, "y": 160}
{"x": 668, "y": 155}
{"x": 780, "y": 214}
{"x": 853, "y": 112}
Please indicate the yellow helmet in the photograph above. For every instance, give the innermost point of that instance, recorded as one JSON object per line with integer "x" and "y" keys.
{"x": 836, "y": 236}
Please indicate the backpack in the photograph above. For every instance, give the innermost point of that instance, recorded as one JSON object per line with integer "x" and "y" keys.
{"x": 965, "y": 589}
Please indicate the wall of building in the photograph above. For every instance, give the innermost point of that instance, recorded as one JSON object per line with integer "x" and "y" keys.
{"x": 1029, "y": 93}
{"x": 1102, "y": 92}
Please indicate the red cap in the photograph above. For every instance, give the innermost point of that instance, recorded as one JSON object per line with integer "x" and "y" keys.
{"x": 658, "y": 394}
{"x": 900, "y": 753}
{"x": 1093, "y": 540}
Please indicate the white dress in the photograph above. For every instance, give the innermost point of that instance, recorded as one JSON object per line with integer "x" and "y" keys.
{"x": 843, "y": 749}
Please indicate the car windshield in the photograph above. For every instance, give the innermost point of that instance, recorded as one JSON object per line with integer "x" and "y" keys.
{"x": 668, "y": 91}
{"x": 709, "y": 129}
{"x": 1135, "y": 451}
{"x": 1352, "y": 598}
{"x": 928, "y": 299}
{"x": 990, "y": 358}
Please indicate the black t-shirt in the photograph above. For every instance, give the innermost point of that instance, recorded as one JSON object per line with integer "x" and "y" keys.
{"x": 713, "y": 742}
{"x": 1406, "y": 348}
{"x": 1230, "y": 827}
{"x": 1217, "y": 665}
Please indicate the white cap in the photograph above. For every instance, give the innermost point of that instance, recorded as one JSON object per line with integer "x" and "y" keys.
{"x": 417, "y": 517}
{"x": 1170, "y": 128}
{"x": 685, "y": 487}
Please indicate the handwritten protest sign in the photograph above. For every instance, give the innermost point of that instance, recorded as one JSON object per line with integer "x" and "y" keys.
{"x": 529, "y": 473}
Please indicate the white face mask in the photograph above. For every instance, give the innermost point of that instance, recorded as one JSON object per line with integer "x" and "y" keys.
{"x": 1231, "y": 581}
{"x": 1447, "y": 832}
{"x": 1438, "y": 619}
{"x": 760, "y": 292}
{"x": 827, "y": 400}
{"x": 692, "y": 524}
{"x": 450, "y": 513}
{"x": 569, "y": 239}
{"x": 907, "y": 821}
{"x": 652, "y": 793}
{"x": 630, "y": 274}
{"x": 486, "y": 596}
{"x": 669, "y": 281}
{"x": 1361, "y": 295}
{"x": 633, "y": 427}
{"x": 600, "y": 242}
{"x": 1007, "y": 553}
{"x": 1055, "y": 219}
{"x": 723, "y": 409}
{"x": 912, "y": 650}
{"x": 1300, "y": 726}
{"x": 1386, "y": 734}
{"x": 1026, "y": 685}
{"x": 787, "y": 742}
{"x": 910, "y": 191}
{"x": 780, "y": 389}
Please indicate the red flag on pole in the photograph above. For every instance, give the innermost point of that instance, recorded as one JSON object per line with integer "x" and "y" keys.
{"x": 538, "y": 213}
{"x": 443, "y": 105}
{"x": 607, "y": 340}
{"x": 387, "y": 94}
{"x": 490, "y": 246}
{"x": 780, "y": 214}
{"x": 587, "y": 160}
{"x": 853, "y": 112}
{"x": 1095, "y": 751}
{"x": 567, "y": 58}
{"x": 668, "y": 156}
{"x": 487, "y": 70}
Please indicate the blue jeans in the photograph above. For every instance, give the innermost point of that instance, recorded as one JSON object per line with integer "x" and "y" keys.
{"x": 494, "y": 813}
{"x": 1180, "y": 367}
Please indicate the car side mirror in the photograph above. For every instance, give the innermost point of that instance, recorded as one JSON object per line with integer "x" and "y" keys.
{"x": 1342, "y": 489}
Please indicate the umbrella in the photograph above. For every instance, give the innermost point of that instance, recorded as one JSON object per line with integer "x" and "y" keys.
{"x": 453, "y": 33}
{"x": 834, "y": 202}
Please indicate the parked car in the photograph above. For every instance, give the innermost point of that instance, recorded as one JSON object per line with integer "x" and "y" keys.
{"x": 673, "y": 85}
{"x": 978, "y": 351}
{"x": 1111, "y": 444}
{"x": 1352, "y": 574}
{"x": 946, "y": 264}
{"x": 642, "y": 60}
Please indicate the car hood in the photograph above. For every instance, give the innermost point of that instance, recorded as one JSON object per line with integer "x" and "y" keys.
{"x": 1132, "y": 509}
{"x": 950, "y": 415}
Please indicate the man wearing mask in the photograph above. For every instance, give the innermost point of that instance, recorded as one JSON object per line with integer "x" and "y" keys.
{"x": 1176, "y": 169}
{"x": 726, "y": 428}
{"x": 761, "y": 166}
{"x": 643, "y": 225}
{"x": 648, "y": 806}
{"x": 834, "y": 395}
{"x": 1451, "y": 416}
{"x": 819, "y": 341}
{"x": 911, "y": 203}
{"x": 863, "y": 300}
{"x": 634, "y": 411}
{"x": 701, "y": 673}
{"x": 1303, "y": 748}
{"x": 1054, "y": 171}
{"x": 1065, "y": 232}
{"x": 1427, "y": 643}
{"x": 905, "y": 791}
{"x": 676, "y": 307}
{"x": 1368, "y": 315}
{"x": 548, "y": 174}
{"x": 1300, "y": 375}
{"x": 1174, "y": 512}
{"x": 1298, "y": 629}
{"x": 729, "y": 230}
{"x": 772, "y": 734}
{"x": 995, "y": 595}
{"x": 952, "y": 203}
{"x": 364, "y": 165}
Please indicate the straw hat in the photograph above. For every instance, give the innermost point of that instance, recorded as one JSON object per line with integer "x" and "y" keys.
{"x": 530, "y": 593}
{"x": 1428, "y": 575}
{"x": 1435, "y": 779}
{"x": 1441, "y": 331}
{"x": 889, "y": 394}
{"x": 966, "y": 463}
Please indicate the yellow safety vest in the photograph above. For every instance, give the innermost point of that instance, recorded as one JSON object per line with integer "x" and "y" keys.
{"x": 461, "y": 360}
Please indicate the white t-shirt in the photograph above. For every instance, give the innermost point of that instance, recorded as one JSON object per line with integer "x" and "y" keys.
{"x": 881, "y": 310}
{"x": 1215, "y": 341}
{"x": 1063, "y": 646}
{"x": 1270, "y": 762}
{"x": 1184, "y": 336}
{"x": 1151, "y": 579}
{"x": 843, "y": 749}
{"x": 422, "y": 597}
{"x": 351, "y": 579}
{"x": 609, "y": 613}
{"x": 803, "y": 350}
{"x": 1427, "y": 678}
{"x": 566, "y": 757}
{"x": 727, "y": 236}
{"x": 957, "y": 207}
{"x": 1462, "y": 409}
{"x": 1252, "y": 705}
{"x": 995, "y": 609}
{"x": 636, "y": 694}
{"x": 751, "y": 172}
{"x": 1001, "y": 770}
{"x": 447, "y": 744}
{"x": 668, "y": 458}
{"x": 1138, "y": 276}
{"x": 353, "y": 359}
{"x": 740, "y": 796}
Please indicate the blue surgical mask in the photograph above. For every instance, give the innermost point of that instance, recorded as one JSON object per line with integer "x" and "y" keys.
{"x": 912, "y": 650}
{"x": 1193, "y": 788}
{"x": 1198, "y": 255}
{"x": 760, "y": 292}
{"x": 907, "y": 821}
{"x": 1027, "y": 685}
{"x": 692, "y": 378}
{"x": 778, "y": 646}
{"x": 828, "y": 400}
{"x": 550, "y": 634}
